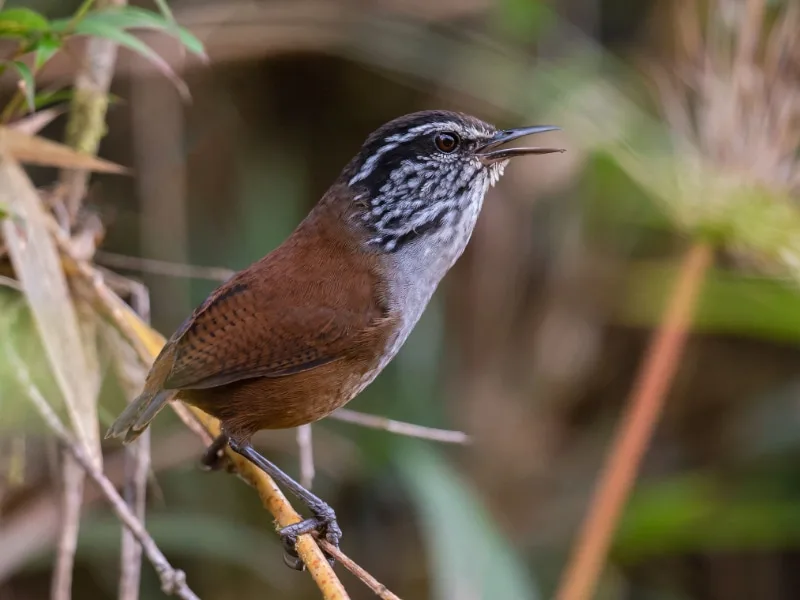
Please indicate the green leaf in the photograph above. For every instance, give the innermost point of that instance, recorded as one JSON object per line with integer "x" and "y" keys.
{"x": 729, "y": 303}
{"x": 165, "y": 10}
{"x": 20, "y": 22}
{"x": 470, "y": 558}
{"x": 101, "y": 29}
{"x": 702, "y": 513}
{"x": 523, "y": 19}
{"x": 26, "y": 81}
{"x": 44, "y": 49}
{"x": 49, "y": 97}
{"x": 131, "y": 17}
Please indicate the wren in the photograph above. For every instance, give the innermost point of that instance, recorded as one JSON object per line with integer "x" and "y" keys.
{"x": 302, "y": 331}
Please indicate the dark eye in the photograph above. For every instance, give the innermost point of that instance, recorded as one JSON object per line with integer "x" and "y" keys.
{"x": 446, "y": 142}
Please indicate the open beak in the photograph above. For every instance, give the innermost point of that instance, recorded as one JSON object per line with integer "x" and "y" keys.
{"x": 489, "y": 152}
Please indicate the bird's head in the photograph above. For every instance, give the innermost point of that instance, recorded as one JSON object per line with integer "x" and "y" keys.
{"x": 420, "y": 175}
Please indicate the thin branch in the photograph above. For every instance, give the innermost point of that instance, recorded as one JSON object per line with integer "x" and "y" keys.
{"x": 400, "y": 427}
{"x": 162, "y": 267}
{"x": 173, "y": 581}
{"x": 305, "y": 444}
{"x": 380, "y": 590}
{"x": 130, "y": 373}
{"x": 10, "y": 283}
{"x": 73, "y": 479}
{"x": 137, "y": 471}
{"x": 635, "y": 430}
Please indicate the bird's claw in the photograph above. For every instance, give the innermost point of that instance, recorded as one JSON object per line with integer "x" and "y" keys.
{"x": 214, "y": 457}
{"x": 324, "y": 524}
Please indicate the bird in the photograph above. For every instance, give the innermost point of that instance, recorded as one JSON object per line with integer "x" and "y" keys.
{"x": 302, "y": 331}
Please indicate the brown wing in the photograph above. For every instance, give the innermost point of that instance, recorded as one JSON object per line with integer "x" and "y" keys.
{"x": 239, "y": 335}
{"x": 296, "y": 309}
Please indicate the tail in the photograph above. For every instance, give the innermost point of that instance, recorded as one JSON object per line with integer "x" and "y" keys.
{"x": 137, "y": 416}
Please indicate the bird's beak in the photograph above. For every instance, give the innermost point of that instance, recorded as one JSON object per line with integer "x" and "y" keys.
{"x": 488, "y": 153}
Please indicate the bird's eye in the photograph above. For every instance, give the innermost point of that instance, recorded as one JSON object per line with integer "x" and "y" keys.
{"x": 446, "y": 142}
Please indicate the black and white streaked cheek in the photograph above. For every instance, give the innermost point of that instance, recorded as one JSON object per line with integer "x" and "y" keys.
{"x": 444, "y": 220}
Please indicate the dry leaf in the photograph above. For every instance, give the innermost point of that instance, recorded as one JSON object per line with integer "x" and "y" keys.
{"x": 36, "y": 150}
{"x": 37, "y": 265}
{"x": 33, "y": 124}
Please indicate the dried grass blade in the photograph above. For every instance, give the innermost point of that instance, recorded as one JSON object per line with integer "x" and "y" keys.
{"x": 35, "y": 150}
{"x": 38, "y": 268}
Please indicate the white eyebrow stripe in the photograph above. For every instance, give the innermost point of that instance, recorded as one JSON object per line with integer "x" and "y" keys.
{"x": 467, "y": 130}
{"x": 393, "y": 141}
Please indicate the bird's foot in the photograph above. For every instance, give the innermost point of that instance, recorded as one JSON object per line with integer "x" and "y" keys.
{"x": 324, "y": 523}
{"x": 214, "y": 457}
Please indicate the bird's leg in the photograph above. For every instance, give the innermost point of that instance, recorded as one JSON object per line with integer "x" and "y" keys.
{"x": 324, "y": 520}
{"x": 214, "y": 457}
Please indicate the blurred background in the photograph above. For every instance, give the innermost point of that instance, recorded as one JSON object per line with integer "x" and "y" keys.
{"x": 532, "y": 343}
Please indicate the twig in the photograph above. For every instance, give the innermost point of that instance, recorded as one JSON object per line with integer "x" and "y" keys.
{"x": 137, "y": 471}
{"x": 381, "y": 591}
{"x": 136, "y": 467}
{"x": 31, "y": 529}
{"x": 304, "y": 443}
{"x": 73, "y": 479}
{"x": 173, "y": 581}
{"x": 162, "y": 267}
{"x": 400, "y": 427}
{"x": 635, "y": 430}
{"x": 10, "y": 283}
{"x": 87, "y": 114}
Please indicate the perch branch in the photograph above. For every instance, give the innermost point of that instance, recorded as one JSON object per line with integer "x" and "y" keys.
{"x": 173, "y": 581}
{"x": 635, "y": 430}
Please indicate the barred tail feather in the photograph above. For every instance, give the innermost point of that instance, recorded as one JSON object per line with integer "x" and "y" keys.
{"x": 138, "y": 414}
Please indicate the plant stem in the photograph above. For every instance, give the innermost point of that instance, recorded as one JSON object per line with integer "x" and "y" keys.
{"x": 635, "y": 430}
{"x": 87, "y": 113}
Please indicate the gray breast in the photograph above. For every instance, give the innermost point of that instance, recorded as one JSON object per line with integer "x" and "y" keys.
{"x": 416, "y": 269}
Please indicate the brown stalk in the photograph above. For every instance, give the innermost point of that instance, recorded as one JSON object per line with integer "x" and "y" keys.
{"x": 635, "y": 430}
